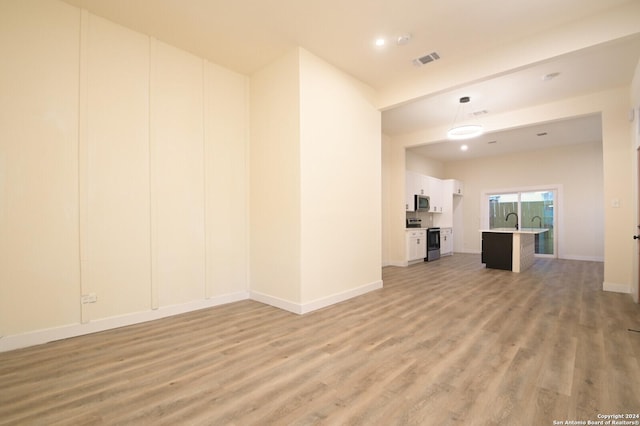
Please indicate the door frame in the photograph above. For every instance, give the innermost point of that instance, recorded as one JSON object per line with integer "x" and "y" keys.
{"x": 636, "y": 258}
{"x": 558, "y": 229}
{"x": 634, "y": 118}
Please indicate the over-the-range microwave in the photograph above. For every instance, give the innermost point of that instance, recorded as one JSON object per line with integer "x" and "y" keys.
{"x": 422, "y": 203}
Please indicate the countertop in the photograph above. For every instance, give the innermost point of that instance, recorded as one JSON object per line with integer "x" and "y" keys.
{"x": 516, "y": 231}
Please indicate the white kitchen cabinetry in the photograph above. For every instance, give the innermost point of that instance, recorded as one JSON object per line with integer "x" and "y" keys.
{"x": 408, "y": 192}
{"x": 419, "y": 183}
{"x": 422, "y": 185}
{"x": 457, "y": 187}
{"x": 446, "y": 241}
{"x": 439, "y": 191}
{"x": 416, "y": 244}
{"x": 416, "y": 184}
{"x": 435, "y": 194}
{"x": 445, "y": 220}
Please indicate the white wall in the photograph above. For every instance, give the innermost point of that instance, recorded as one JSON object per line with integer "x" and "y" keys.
{"x": 394, "y": 218}
{"x": 635, "y": 137}
{"x": 122, "y": 173}
{"x": 576, "y": 168}
{"x": 125, "y": 174}
{"x": 618, "y": 160}
{"x": 39, "y": 263}
{"x": 275, "y": 181}
{"x": 424, "y": 166}
{"x": 315, "y": 153}
{"x": 387, "y": 189}
{"x": 226, "y": 149}
{"x": 114, "y": 206}
{"x": 341, "y": 182}
{"x": 177, "y": 176}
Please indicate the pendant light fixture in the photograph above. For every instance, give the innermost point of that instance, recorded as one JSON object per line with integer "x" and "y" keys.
{"x": 460, "y": 129}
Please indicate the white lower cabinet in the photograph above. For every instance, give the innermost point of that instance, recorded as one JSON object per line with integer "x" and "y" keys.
{"x": 416, "y": 244}
{"x": 446, "y": 241}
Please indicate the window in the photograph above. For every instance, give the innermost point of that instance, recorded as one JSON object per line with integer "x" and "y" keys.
{"x": 528, "y": 210}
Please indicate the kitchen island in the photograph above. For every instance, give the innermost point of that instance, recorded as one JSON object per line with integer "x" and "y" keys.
{"x": 508, "y": 248}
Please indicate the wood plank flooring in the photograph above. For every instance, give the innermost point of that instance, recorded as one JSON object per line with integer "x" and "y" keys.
{"x": 443, "y": 343}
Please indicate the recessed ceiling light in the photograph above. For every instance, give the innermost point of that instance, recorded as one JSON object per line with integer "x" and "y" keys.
{"x": 542, "y": 134}
{"x": 464, "y": 148}
{"x": 380, "y": 42}
{"x": 490, "y": 142}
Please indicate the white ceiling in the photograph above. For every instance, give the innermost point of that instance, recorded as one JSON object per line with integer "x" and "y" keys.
{"x": 245, "y": 35}
{"x": 520, "y": 140}
{"x": 595, "y": 69}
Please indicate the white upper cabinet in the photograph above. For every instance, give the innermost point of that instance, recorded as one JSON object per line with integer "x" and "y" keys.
{"x": 458, "y": 187}
{"x": 416, "y": 184}
{"x": 439, "y": 191}
{"x": 446, "y": 218}
{"x": 435, "y": 193}
{"x": 422, "y": 185}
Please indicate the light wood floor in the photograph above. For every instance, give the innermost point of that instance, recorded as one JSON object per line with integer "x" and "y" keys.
{"x": 443, "y": 343}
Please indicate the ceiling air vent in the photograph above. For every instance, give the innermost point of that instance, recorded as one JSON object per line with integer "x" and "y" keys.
{"x": 423, "y": 60}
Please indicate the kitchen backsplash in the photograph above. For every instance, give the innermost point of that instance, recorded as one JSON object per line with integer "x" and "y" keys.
{"x": 425, "y": 217}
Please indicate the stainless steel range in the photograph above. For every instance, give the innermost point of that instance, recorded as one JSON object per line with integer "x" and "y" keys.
{"x": 433, "y": 244}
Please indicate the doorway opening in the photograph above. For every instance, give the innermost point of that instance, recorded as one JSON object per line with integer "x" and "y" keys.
{"x": 530, "y": 209}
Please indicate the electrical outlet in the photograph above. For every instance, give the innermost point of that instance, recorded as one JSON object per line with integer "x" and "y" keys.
{"x": 89, "y": 298}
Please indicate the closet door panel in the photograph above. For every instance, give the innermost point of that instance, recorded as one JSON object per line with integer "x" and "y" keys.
{"x": 39, "y": 262}
{"x": 116, "y": 227}
{"x": 226, "y": 123}
{"x": 177, "y": 176}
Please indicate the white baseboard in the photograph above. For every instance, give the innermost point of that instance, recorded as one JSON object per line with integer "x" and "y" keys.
{"x": 468, "y": 251}
{"x": 39, "y": 337}
{"x": 396, "y": 263}
{"x": 340, "y": 297}
{"x": 276, "y": 302}
{"x": 303, "y": 308}
{"x": 585, "y": 258}
{"x": 11, "y": 342}
{"x": 616, "y": 288}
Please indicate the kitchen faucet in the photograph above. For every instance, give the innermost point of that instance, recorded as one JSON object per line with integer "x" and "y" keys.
{"x": 516, "y": 215}
{"x": 539, "y": 218}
